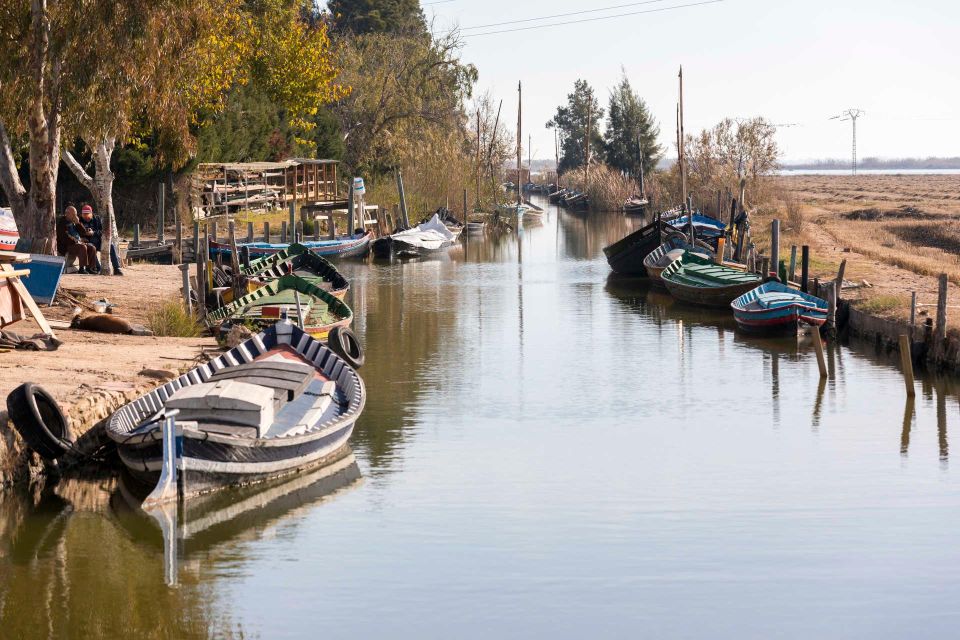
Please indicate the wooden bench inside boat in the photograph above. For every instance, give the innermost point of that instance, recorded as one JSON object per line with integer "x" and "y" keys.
{"x": 287, "y": 378}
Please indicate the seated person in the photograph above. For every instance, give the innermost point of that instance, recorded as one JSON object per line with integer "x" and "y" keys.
{"x": 71, "y": 244}
{"x": 93, "y": 232}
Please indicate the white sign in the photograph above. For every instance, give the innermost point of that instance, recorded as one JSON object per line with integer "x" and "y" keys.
{"x": 358, "y": 188}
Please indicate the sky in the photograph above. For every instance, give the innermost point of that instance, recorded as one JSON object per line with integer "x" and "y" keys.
{"x": 795, "y": 63}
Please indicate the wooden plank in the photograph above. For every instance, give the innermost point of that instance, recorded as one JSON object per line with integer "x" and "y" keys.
{"x": 14, "y": 274}
{"x": 13, "y": 256}
{"x": 27, "y": 300}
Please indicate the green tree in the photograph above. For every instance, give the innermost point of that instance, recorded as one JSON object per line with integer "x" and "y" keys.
{"x": 360, "y": 17}
{"x": 571, "y": 120}
{"x": 631, "y": 133}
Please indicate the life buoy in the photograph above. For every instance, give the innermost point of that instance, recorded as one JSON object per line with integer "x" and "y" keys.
{"x": 39, "y": 420}
{"x": 344, "y": 342}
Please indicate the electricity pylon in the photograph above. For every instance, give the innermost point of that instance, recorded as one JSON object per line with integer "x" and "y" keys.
{"x": 851, "y": 115}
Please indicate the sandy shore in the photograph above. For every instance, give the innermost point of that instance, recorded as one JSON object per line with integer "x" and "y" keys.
{"x": 92, "y": 373}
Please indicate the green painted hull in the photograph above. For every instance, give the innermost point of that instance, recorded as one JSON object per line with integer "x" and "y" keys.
{"x": 699, "y": 281}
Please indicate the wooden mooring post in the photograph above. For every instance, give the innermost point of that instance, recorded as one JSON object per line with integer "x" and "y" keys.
{"x": 187, "y": 302}
{"x": 266, "y": 231}
{"x": 805, "y": 269}
{"x": 818, "y": 348}
{"x": 249, "y": 232}
{"x": 940, "y": 329}
{"x": 293, "y": 223}
{"x": 196, "y": 240}
{"x": 331, "y": 226}
{"x": 316, "y": 229}
{"x": 136, "y": 236}
{"x": 178, "y": 248}
{"x": 913, "y": 309}
{"x": 774, "y": 249}
{"x": 792, "y": 272}
{"x": 283, "y": 231}
{"x": 403, "y": 200}
{"x": 907, "y": 362}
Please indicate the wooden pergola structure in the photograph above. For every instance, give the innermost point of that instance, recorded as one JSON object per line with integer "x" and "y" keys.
{"x": 221, "y": 189}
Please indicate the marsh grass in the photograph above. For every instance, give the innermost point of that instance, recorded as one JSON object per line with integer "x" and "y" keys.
{"x": 170, "y": 320}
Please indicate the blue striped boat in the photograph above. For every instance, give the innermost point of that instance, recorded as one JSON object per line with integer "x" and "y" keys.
{"x": 776, "y": 308}
{"x": 705, "y": 226}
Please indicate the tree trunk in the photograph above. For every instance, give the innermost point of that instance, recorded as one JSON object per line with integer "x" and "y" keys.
{"x": 100, "y": 186}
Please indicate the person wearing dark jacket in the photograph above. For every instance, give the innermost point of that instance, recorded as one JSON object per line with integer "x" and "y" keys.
{"x": 71, "y": 244}
{"x": 93, "y": 231}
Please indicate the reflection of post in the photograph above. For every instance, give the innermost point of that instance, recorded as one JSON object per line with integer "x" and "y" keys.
{"x": 906, "y": 362}
{"x": 908, "y": 409}
{"x": 775, "y": 386}
{"x": 818, "y": 403}
{"x": 942, "y": 423}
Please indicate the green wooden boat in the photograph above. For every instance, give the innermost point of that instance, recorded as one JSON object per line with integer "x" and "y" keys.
{"x": 298, "y": 260}
{"x": 697, "y": 280}
{"x": 321, "y": 310}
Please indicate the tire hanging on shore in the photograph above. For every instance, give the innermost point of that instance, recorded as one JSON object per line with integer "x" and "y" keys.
{"x": 344, "y": 342}
{"x": 39, "y": 420}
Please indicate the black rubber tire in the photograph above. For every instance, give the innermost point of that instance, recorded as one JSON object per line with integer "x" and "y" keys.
{"x": 344, "y": 342}
{"x": 39, "y": 421}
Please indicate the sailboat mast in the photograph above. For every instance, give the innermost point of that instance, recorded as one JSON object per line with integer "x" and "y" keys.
{"x": 479, "y": 144}
{"x": 683, "y": 159}
{"x": 519, "y": 142}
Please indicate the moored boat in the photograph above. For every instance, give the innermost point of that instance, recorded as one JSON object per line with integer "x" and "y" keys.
{"x": 635, "y": 206}
{"x": 625, "y": 256}
{"x": 697, "y": 280}
{"x": 661, "y": 257}
{"x": 774, "y": 307}
{"x": 352, "y": 246}
{"x": 703, "y": 226}
{"x": 429, "y": 236}
{"x": 288, "y": 295}
{"x": 278, "y": 402}
{"x": 298, "y": 260}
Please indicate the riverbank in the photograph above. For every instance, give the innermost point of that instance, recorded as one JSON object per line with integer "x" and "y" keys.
{"x": 92, "y": 374}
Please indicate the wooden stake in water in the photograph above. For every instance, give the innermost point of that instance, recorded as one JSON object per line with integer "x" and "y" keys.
{"x": 792, "y": 272}
{"x": 913, "y": 308}
{"x": 818, "y": 348}
{"x": 774, "y": 248}
{"x": 906, "y": 362}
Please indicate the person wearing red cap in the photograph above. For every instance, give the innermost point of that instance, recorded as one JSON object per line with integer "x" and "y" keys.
{"x": 71, "y": 244}
{"x": 93, "y": 231}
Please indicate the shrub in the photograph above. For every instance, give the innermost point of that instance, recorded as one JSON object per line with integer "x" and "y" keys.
{"x": 171, "y": 320}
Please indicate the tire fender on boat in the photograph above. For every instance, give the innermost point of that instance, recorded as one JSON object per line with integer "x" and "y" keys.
{"x": 344, "y": 342}
{"x": 39, "y": 420}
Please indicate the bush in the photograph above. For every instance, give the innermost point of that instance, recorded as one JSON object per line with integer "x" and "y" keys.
{"x": 608, "y": 188}
{"x": 171, "y": 320}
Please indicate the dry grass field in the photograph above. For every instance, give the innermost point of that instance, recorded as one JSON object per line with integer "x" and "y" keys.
{"x": 897, "y": 233}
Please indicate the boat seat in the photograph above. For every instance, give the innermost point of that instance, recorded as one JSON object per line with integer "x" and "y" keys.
{"x": 285, "y": 378}
{"x": 773, "y": 300}
{"x": 230, "y": 407}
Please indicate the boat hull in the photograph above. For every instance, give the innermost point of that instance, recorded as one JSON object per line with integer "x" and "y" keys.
{"x": 626, "y": 256}
{"x": 346, "y": 247}
{"x": 707, "y": 296}
{"x": 774, "y": 308}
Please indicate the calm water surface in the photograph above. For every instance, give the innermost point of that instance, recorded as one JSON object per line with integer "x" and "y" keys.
{"x": 546, "y": 451}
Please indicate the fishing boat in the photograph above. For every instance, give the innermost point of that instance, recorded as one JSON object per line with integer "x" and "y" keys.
{"x": 298, "y": 260}
{"x": 277, "y": 403}
{"x": 635, "y": 206}
{"x": 697, "y": 280}
{"x": 703, "y": 226}
{"x": 432, "y": 235}
{"x": 476, "y": 227}
{"x": 775, "y": 308}
{"x": 557, "y": 196}
{"x": 352, "y": 246}
{"x": 291, "y": 296}
{"x": 661, "y": 257}
{"x": 625, "y": 256}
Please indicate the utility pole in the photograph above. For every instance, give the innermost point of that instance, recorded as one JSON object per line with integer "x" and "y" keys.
{"x": 851, "y": 115}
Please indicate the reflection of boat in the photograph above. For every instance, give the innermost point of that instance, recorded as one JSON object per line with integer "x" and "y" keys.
{"x": 476, "y": 227}
{"x": 627, "y": 254}
{"x": 270, "y": 406}
{"x": 300, "y": 261}
{"x": 355, "y": 245}
{"x": 661, "y": 257}
{"x": 697, "y": 280}
{"x": 291, "y": 295}
{"x": 432, "y": 235}
{"x": 776, "y": 308}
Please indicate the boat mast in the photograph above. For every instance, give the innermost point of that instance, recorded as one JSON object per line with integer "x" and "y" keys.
{"x": 640, "y": 149}
{"x": 556, "y": 149}
{"x": 683, "y": 160}
{"x": 479, "y": 144}
{"x": 519, "y": 143}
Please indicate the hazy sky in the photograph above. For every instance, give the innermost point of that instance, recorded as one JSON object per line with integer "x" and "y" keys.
{"x": 792, "y": 62}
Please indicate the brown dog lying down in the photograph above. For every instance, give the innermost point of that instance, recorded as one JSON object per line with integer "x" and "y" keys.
{"x": 106, "y": 323}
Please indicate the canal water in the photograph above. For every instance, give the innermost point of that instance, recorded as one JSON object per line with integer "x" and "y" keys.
{"x": 546, "y": 451}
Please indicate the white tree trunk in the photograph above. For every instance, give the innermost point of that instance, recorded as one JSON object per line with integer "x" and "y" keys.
{"x": 100, "y": 186}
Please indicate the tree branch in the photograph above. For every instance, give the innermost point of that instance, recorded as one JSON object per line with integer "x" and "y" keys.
{"x": 9, "y": 178}
{"x": 77, "y": 169}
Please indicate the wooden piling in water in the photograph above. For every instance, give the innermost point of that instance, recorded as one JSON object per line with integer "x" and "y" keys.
{"x": 830, "y": 290}
{"x": 792, "y": 272}
{"x": 249, "y": 232}
{"x": 196, "y": 240}
{"x": 906, "y": 362}
{"x": 913, "y": 308}
{"x": 136, "y": 236}
{"x": 266, "y": 232}
{"x": 818, "y": 348}
{"x": 403, "y": 200}
{"x": 805, "y": 269}
{"x": 331, "y": 226}
{"x": 316, "y": 229}
{"x": 840, "y": 272}
{"x": 292, "y": 227}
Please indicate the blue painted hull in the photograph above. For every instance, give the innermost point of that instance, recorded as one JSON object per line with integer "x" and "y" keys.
{"x": 775, "y": 308}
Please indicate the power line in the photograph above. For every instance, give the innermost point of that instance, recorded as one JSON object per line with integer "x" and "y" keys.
{"x": 619, "y": 15}
{"x": 561, "y": 15}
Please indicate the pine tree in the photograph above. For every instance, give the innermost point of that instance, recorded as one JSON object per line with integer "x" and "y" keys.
{"x": 571, "y": 121}
{"x": 377, "y": 16}
{"x": 631, "y": 132}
